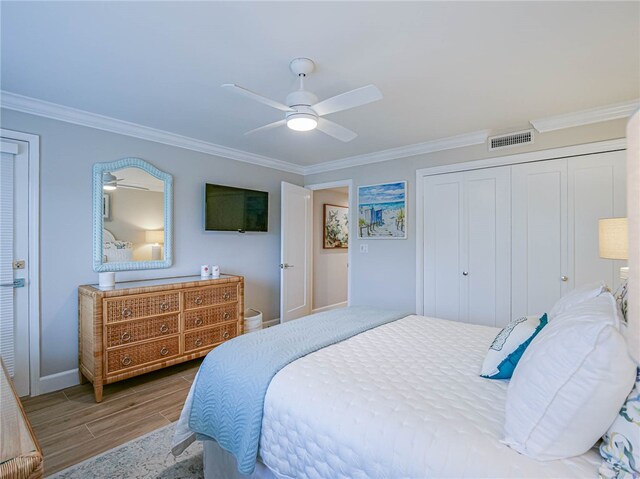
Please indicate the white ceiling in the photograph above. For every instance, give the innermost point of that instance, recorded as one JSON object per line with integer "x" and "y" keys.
{"x": 444, "y": 68}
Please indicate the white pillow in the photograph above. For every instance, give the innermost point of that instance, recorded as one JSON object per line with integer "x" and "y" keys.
{"x": 577, "y": 296}
{"x": 620, "y": 446}
{"x": 509, "y": 346}
{"x": 570, "y": 383}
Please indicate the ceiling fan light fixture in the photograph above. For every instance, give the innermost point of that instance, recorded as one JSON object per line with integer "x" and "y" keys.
{"x": 109, "y": 181}
{"x": 302, "y": 121}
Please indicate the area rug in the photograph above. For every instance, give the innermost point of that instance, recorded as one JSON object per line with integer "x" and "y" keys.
{"x": 146, "y": 457}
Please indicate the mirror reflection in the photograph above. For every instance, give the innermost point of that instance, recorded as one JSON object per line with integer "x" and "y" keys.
{"x": 133, "y": 216}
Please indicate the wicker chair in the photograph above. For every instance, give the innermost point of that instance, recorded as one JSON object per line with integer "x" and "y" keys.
{"x": 20, "y": 453}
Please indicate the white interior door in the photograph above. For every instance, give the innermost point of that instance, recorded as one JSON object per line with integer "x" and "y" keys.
{"x": 443, "y": 203}
{"x": 486, "y": 247}
{"x": 296, "y": 252}
{"x": 597, "y": 189}
{"x": 14, "y": 248}
{"x": 540, "y": 272}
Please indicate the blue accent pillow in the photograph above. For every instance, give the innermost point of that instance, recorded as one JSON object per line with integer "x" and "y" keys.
{"x": 509, "y": 345}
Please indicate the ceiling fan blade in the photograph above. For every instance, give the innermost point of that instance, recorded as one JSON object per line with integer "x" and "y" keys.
{"x": 132, "y": 187}
{"x": 335, "y": 130}
{"x": 350, "y": 99}
{"x": 268, "y": 126}
{"x": 254, "y": 96}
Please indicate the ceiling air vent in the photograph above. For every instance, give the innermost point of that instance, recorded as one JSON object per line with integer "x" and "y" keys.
{"x": 510, "y": 139}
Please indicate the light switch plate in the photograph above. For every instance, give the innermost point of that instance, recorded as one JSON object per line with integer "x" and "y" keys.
{"x": 364, "y": 248}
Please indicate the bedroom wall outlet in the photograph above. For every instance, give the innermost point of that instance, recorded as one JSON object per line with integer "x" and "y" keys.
{"x": 364, "y": 248}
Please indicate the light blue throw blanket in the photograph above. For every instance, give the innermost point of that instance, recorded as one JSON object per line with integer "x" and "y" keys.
{"x": 228, "y": 397}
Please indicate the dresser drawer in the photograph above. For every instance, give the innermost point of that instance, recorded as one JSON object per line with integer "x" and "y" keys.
{"x": 132, "y": 331}
{"x": 208, "y": 337}
{"x": 210, "y": 316}
{"x": 141, "y": 354}
{"x": 141, "y": 306}
{"x": 211, "y": 295}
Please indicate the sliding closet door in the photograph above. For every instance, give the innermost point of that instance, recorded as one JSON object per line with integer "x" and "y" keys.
{"x": 486, "y": 247}
{"x": 540, "y": 274}
{"x": 443, "y": 204}
{"x": 597, "y": 189}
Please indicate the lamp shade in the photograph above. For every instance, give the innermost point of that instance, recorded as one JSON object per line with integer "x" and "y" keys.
{"x": 155, "y": 236}
{"x": 614, "y": 238}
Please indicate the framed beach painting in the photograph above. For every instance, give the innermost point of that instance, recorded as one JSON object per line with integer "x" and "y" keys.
{"x": 382, "y": 211}
{"x": 335, "y": 227}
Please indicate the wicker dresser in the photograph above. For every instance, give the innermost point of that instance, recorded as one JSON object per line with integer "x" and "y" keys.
{"x": 141, "y": 326}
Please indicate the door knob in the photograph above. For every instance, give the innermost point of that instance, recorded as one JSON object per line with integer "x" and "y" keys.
{"x": 564, "y": 278}
{"x": 465, "y": 273}
{"x": 286, "y": 265}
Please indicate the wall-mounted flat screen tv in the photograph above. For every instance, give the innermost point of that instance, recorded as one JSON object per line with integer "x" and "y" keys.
{"x": 235, "y": 209}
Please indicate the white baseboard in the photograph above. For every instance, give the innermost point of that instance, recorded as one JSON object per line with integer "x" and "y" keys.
{"x": 271, "y": 322}
{"x": 57, "y": 381}
{"x": 330, "y": 307}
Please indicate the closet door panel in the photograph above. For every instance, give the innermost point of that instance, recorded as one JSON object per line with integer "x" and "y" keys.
{"x": 442, "y": 262}
{"x": 539, "y": 235}
{"x": 597, "y": 189}
{"x": 486, "y": 253}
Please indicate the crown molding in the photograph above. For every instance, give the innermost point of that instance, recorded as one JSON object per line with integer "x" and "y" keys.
{"x": 448, "y": 143}
{"x": 34, "y": 106}
{"x": 586, "y": 117}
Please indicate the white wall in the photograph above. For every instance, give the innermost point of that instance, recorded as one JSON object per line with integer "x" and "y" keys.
{"x": 67, "y": 155}
{"x": 386, "y": 276}
{"x": 329, "y": 265}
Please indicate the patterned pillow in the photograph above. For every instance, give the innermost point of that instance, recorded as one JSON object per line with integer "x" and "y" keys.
{"x": 620, "y": 447}
{"x": 509, "y": 345}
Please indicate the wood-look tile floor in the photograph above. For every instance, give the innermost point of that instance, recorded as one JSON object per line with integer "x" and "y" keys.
{"x": 72, "y": 427}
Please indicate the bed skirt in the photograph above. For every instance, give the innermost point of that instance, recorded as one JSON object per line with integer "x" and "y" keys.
{"x": 219, "y": 463}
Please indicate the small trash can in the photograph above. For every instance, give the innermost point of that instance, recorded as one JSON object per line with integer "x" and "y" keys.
{"x": 252, "y": 320}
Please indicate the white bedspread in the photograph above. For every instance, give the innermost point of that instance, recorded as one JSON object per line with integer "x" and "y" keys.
{"x": 401, "y": 400}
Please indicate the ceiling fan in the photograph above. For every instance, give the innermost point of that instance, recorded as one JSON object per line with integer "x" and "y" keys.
{"x": 302, "y": 110}
{"x": 110, "y": 183}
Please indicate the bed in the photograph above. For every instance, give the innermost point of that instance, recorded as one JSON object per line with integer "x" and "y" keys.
{"x": 115, "y": 251}
{"x": 403, "y": 399}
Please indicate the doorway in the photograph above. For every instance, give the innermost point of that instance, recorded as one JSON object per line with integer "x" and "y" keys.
{"x": 304, "y": 290}
{"x": 330, "y": 248}
{"x": 19, "y": 259}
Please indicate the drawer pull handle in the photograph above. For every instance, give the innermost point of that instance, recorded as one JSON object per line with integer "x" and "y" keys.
{"x": 226, "y": 295}
{"x": 126, "y": 361}
{"x": 225, "y": 335}
{"x": 164, "y": 352}
{"x": 198, "y": 342}
{"x": 198, "y": 321}
{"x": 164, "y": 328}
{"x": 164, "y": 307}
{"x": 126, "y": 312}
{"x": 198, "y": 300}
{"x": 226, "y": 315}
{"x": 125, "y": 336}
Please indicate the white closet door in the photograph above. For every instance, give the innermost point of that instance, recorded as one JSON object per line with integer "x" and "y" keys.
{"x": 597, "y": 189}
{"x": 486, "y": 247}
{"x": 442, "y": 245}
{"x": 539, "y": 236}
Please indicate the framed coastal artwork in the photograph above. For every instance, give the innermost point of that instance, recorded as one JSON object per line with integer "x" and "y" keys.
{"x": 382, "y": 211}
{"x": 335, "y": 227}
